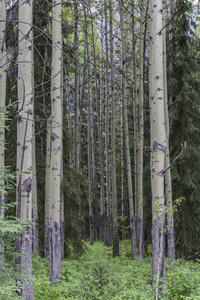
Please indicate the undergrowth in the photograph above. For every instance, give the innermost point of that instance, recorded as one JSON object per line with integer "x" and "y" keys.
{"x": 96, "y": 275}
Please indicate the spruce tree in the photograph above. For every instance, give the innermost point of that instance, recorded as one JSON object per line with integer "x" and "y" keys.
{"x": 184, "y": 111}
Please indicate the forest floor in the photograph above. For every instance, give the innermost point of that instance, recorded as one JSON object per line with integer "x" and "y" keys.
{"x": 96, "y": 275}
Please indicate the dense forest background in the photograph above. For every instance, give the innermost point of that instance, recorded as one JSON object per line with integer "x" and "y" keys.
{"x": 91, "y": 119}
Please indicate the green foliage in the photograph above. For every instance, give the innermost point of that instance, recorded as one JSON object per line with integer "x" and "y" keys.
{"x": 10, "y": 274}
{"x": 96, "y": 275}
{"x": 184, "y": 120}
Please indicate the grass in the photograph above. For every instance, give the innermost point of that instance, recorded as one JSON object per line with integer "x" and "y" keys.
{"x": 96, "y": 275}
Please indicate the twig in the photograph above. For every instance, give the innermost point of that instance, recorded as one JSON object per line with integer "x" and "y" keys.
{"x": 182, "y": 150}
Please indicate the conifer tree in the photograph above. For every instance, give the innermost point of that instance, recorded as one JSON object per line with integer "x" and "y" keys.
{"x": 183, "y": 65}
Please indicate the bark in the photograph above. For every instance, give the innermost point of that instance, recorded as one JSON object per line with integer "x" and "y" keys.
{"x": 141, "y": 134}
{"x": 35, "y": 233}
{"x": 158, "y": 139}
{"x": 113, "y": 142}
{"x": 25, "y": 139}
{"x": 24, "y": 245}
{"x": 55, "y": 253}
{"x": 109, "y": 231}
{"x": 168, "y": 181}
{"x": 76, "y": 88}
{"x": 135, "y": 118}
{"x": 128, "y": 160}
{"x": 98, "y": 115}
{"x": 47, "y": 186}
{"x": 108, "y": 238}
{"x": 3, "y": 68}
{"x": 90, "y": 135}
{"x": 102, "y": 204}
{"x": 56, "y": 146}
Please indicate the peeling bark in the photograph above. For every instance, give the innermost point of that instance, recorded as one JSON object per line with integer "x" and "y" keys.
{"x": 158, "y": 252}
{"x": 55, "y": 253}
{"x": 24, "y": 246}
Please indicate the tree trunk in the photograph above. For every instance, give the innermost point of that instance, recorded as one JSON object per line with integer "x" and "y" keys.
{"x": 135, "y": 119}
{"x": 158, "y": 138}
{"x": 76, "y": 87}
{"x": 113, "y": 150}
{"x": 108, "y": 218}
{"x": 3, "y": 70}
{"x": 128, "y": 160}
{"x": 35, "y": 233}
{"x": 25, "y": 141}
{"x": 47, "y": 187}
{"x": 90, "y": 135}
{"x": 54, "y": 233}
{"x": 168, "y": 182}
{"x": 141, "y": 134}
{"x": 102, "y": 204}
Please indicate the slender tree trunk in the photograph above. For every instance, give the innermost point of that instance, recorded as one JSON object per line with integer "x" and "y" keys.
{"x": 158, "y": 138}
{"x": 47, "y": 186}
{"x": 98, "y": 115}
{"x": 168, "y": 182}
{"x": 76, "y": 87}
{"x": 108, "y": 238}
{"x": 54, "y": 233}
{"x": 35, "y": 233}
{"x": 128, "y": 160}
{"x": 3, "y": 70}
{"x": 102, "y": 207}
{"x": 25, "y": 141}
{"x": 113, "y": 134}
{"x": 135, "y": 117}
{"x": 62, "y": 218}
{"x": 90, "y": 134}
{"x": 141, "y": 134}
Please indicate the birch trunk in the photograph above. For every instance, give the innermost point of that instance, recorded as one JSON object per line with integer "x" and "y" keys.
{"x": 35, "y": 233}
{"x": 168, "y": 181}
{"x": 158, "y": 138}
{"x": 54, "y": 233}
{"x": 35, "y": 229}
{"x": 128, "y": 160}
{"x": 47, "y": 187}
{"x": 25, "y": 140}
{"x": 3, "y": 68}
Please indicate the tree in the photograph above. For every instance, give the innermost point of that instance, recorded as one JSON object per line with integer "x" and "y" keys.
{"x": 158, "y": 141}
{"x": 113, "y": 141}
{"x": 24, "y": 140}
{"x": 183, "y": 66}
{"x": 54, "y": 233}
{"x": 126, "y": 133}
{"x": 168, "y": 181}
